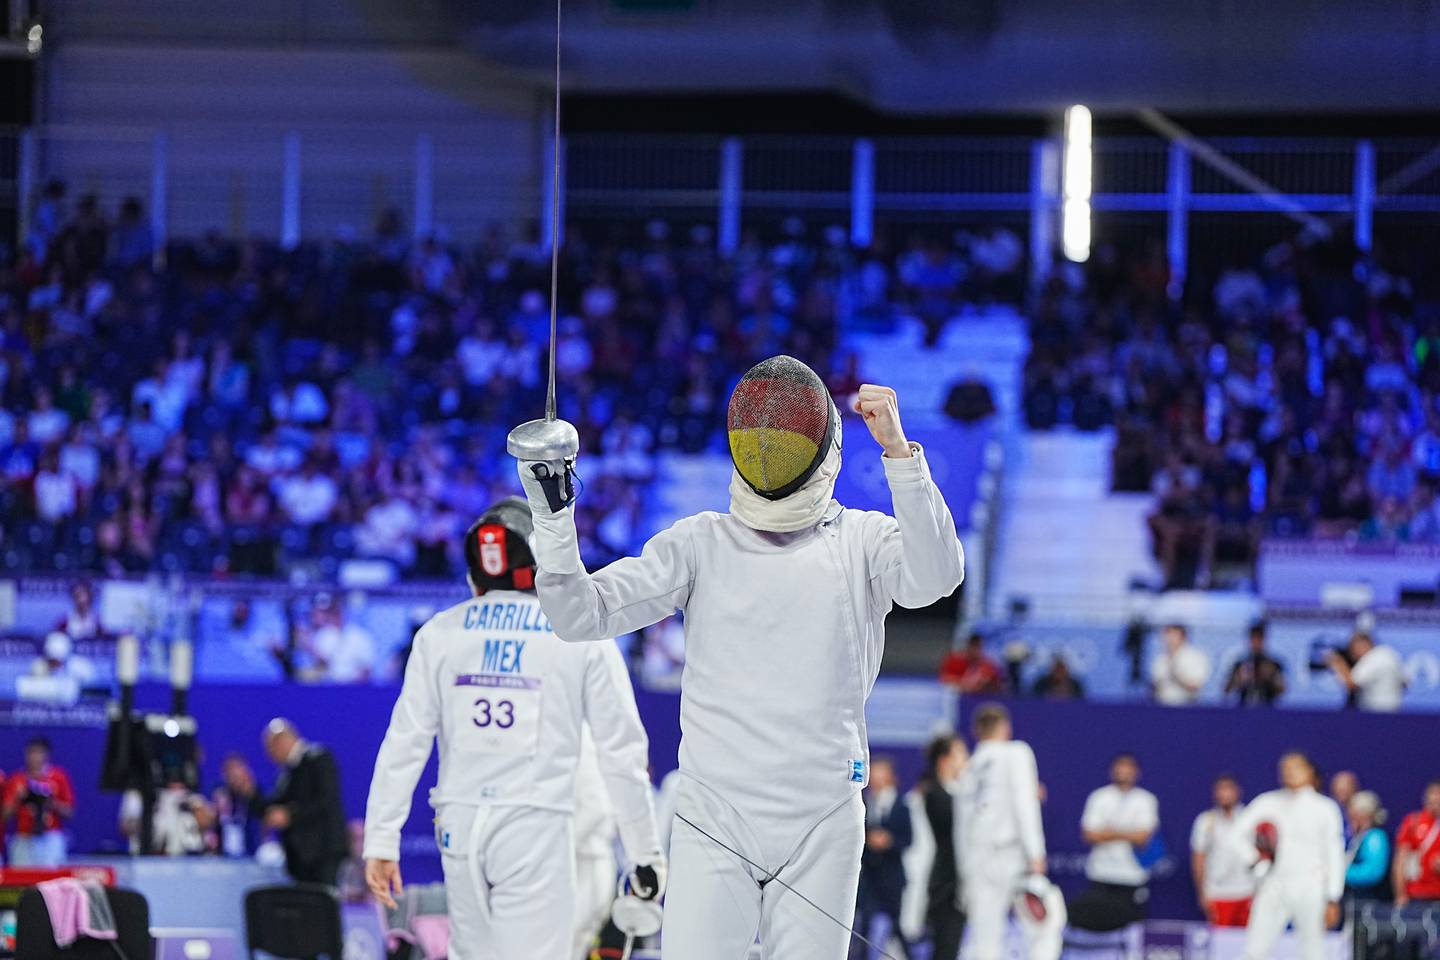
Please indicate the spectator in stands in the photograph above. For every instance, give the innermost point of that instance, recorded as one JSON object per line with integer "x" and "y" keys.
{"x": 1367, "y": 876}
{"x": 1416, "y": 870}
{"x": 1179, "y": 672}
{"x": 888, "y": 832}
{"x": 134, "y": 242}
{"x": 969, "y": 400}
{"x": 1377, "y": 676}
{"x": 239, "y": 808}
{"x": 1223, "y": 880}
{"x": 81, "y": 622}
{"x": 970, "y": 670}
{"x": 1059, "y": 683}
{"x": 38, "y": 800}
{"x": 1257, "y": 679}
{"x": 306, "y": 808}
{"x": 58, "y": 659}
{"x": 1119, "y": 823}
{"x": 337, "y": 650}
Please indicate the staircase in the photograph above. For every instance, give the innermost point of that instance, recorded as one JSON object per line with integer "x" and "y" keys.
{"x": 1066, "y": 542}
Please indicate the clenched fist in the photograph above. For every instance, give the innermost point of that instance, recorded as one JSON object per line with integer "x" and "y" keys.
{"x": 882, "y": 415}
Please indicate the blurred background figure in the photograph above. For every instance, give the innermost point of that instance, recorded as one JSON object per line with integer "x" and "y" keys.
{"x": 888, "y": 834}
{"x": 970, "y": 669}
{"x": 1222, "y": 878}
{"x": 1118, "y": 824}
{"x": 1180, "y": 670}
{"x": 1257, "y": 679}
{"x": 239, "y": 806}
{"x": 38, "y": 799}
{"x": 305, "y": 808}
{"x": 1367, "y": 854}
{"x": 1295, "y": 839}
{"x": 1373, "y": 672}
{"x": 1059, "y": 683}
{"x": 1416, "y": 874}
{"x": 933, "y": 892}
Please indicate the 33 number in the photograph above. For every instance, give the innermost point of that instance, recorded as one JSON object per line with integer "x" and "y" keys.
{"x": 501, "y": 715}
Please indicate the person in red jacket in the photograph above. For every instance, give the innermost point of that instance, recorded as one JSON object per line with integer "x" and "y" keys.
{"x": 1417, "y": 851}
{"x": 40, "y": 799}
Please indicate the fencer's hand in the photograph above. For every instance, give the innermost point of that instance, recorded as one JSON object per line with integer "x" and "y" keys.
{"x": 1332, "y": 916}
{"x": 1038, "y": 865}
{"x": 534, "y": 476}
{"x": 383, "y": 879}
{"x": 881, "y": 412}
{"x": 647, "y": 880}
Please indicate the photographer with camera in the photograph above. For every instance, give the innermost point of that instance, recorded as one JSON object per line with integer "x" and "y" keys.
{"x": 1371, "y": 672}
{"x": 40, "y": 799}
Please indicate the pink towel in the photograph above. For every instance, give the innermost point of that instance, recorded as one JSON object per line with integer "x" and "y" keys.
{"x": 77, "y": 909}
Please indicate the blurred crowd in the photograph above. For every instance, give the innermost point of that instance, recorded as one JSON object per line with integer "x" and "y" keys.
{"x": 1178, "y": 672}
{"x": 1297, "y": 397}
{"x": 228, "y": 407}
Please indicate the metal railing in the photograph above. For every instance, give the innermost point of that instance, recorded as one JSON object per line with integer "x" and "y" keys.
{"x": 317, "y": 183}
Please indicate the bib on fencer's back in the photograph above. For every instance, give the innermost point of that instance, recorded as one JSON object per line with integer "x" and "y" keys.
{"x": 504, "y": 677}
{"x": 772, "y": 719}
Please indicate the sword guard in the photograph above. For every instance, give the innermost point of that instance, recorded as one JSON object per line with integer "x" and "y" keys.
{"x": 544, "y": 440}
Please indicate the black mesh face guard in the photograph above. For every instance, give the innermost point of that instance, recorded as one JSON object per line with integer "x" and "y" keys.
{"x": 781, "y": 422}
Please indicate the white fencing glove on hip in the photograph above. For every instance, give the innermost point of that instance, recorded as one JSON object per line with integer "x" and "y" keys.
{"x": 548, "y": 488}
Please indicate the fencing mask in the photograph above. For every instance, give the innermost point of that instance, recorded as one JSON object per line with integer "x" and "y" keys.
{"x": 1040, "y": 908}
{"x": 782, "y": 425}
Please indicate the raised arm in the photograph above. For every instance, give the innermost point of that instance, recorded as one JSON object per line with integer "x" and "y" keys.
{"x": 918, "y": 558}
{"x": 629, "y": 594}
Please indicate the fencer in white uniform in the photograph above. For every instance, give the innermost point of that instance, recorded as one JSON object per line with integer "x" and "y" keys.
{"x": 595, "y": 865}
{"x": 1002, "y": 839}
{"x": 1295, "y": 838}
{"x": 784, "y": 599}
{"x": 507, "y": 701}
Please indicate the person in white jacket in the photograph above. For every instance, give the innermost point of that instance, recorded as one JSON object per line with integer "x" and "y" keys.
{"x": 1295, "y": 839}
{"x": 507, "y": 701}
{"x": 784, "y": 601}
{"x": 1002, "y": 840}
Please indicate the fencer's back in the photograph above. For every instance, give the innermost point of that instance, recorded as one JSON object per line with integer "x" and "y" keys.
{"x": 510, "y": 696}
{"x": 780, "y": 657}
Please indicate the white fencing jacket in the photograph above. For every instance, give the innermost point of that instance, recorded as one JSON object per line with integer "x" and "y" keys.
{"x": 999, "y": 803}
{"x": 783, "y": 634}
{"x": 1310, "y": 847}
{"x": 507, "y": 701}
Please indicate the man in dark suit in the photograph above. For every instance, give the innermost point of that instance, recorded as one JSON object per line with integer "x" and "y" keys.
{"x": 946, "y": 758}
{"x": 306, "y": 808}
{"x": 882, "y": 874}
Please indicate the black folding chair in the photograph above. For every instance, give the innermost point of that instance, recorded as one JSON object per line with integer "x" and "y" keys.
{"x": 35, "y": 938}
{"x": 296, "y": 922}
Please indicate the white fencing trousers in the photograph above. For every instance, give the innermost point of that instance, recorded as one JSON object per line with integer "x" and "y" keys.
{"x": 1284, "y": 900}
{"x": 595, "y": 879}
{"x": 509, "y": 881}
{"x": 991, "y": 882}
{"x": 716, "y": 903}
